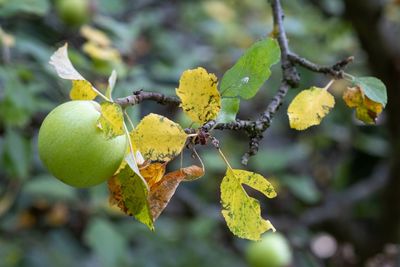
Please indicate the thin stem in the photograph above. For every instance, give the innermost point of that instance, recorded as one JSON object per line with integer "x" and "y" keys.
{"x": 129, "y": 120}
{"x": 201, "y": 162}
{"x": 224, "y": 158}
{"x": 101, "y": 95}
{"x": 349, "y": 77}
{"x": 132, "y": 154}
{"x": 329, "y": 84}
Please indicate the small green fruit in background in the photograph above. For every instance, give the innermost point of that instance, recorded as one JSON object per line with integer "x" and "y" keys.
{"x": 272, "y": 251}
{"x": 73, "y": 12}
{"x": 74, "y": 149}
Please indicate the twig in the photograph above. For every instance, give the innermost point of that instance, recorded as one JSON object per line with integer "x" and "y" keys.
{"x": 140, "y": 96}
{"x": 336, "y": 70}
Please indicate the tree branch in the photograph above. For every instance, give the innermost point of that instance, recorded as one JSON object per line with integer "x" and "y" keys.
{"x": 336, "y": 70}
{"x": 140, "y": 96}
{"x": 290, "y": 74}
{"x": 290, "y": 79}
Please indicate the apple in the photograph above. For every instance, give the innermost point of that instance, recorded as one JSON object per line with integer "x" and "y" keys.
{"x": 74, "y": 149}
{"x": 73, "y": 12}
{"x": 272, "y": 251}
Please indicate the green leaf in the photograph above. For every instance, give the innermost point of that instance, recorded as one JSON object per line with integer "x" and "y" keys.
{"x": 229, "y": 109}
{"x": 303, "y": 187}
{"x": 12, "y": 7}
{"x": 241, "y": 212}
{"x": 17, "y": 154}
{"x": 373, "y": 88}
{"x": 133, "y": 190}
{"x": 106, "y": 242}
{"x": 249, "y": 73}
{"x": 47, "y": 186}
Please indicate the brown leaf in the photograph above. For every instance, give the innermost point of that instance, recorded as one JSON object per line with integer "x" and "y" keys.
{"x": 115, "y": 197}
{"x": 162, "y": 187}
{"x": 161, "y": 193}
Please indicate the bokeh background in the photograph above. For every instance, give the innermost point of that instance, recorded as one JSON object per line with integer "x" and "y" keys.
{"x": 338, "y": 184}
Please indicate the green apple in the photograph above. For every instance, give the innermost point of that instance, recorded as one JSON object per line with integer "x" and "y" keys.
{"x": 73, "y": 12}
{"x": 74, "y": 149}
{"x": 272, "y": 251}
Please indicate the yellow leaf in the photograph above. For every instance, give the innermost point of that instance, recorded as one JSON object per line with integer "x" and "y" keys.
{"x": 129, "y": 193}
{"x": 102, "y": 53}
{"x": 94, "y": 35}
{"x": 241, "y": 212}
{"x": 367, "y": 110}
{"x": 158, "y": 138}
{"x": 111, "y": 121}
{"x": 82, "y": 90}
{"x": 198, "y": 92}
{"x": 153, "y": 172}
{"x": 309, "y": 107}
{"x": 219, "y": 11}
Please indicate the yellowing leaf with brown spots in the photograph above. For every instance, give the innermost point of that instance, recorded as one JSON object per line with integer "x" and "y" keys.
{"x": 153, "y": 172}
{"x": 309, "y": 107}
{"x": 241, "y": 212}
{"x": 130, "y": 194}
{"x": 162, "y": 192}
{"x": 111, "y": 121}
{"x": 367, "y": 110}
{"x": 158, "y": 138}
{"x": 81, "y": 88}
{"x": 198, "y": 92}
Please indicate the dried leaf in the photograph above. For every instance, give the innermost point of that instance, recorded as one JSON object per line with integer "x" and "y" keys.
{"x": 366, "y": 109}
{"x": 198, "y": 92}
{"x": 158, "y": 138}
{"x": 309, "y": 107}
{"x": 63, "y": 66}
{"x": 111, "y": 121}
{"x": 162, "y": 192}
{"x": 241, "y": 212}
{"x": 81, "y": 88}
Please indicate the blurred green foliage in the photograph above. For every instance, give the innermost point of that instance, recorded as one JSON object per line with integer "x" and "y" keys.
{"x": 46, "y": 223}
